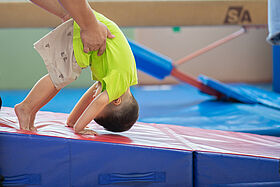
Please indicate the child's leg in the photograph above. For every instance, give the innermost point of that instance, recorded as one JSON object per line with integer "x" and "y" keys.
{"x": 83, "y": 103}
{"x": 43, "y": 91}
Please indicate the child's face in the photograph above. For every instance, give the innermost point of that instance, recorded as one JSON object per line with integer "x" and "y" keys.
{"x": 110, "y": 106}
{"x": 116, "y": 103}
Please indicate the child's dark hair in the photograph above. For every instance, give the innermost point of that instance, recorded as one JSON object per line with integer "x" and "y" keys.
{"x": 120, "y": 118}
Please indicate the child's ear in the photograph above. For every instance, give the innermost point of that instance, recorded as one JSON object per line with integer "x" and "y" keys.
{"x": 117, "y": 101}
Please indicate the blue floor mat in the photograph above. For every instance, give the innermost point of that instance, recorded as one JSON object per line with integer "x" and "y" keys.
{"x": 244, "y": 93}
{"x": 185, "y": 106}
{"x": 182, "y": 105}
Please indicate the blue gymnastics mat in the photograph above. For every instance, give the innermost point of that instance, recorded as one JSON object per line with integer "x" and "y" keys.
{"x": 146, "y": 155}
{"x": 183, "y": 105}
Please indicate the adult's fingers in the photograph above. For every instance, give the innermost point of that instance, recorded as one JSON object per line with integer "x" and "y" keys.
{"x": 86, "y": 49}
{"x": 96, "y": 48}
{"x": 109, "y": 34}
{"x": 102, "y": 49}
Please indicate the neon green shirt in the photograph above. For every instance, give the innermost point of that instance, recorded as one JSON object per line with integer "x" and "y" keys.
{"x": 115, "y": 68}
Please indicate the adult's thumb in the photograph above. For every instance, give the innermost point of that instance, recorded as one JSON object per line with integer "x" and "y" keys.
{"x": 109, "y": 34}
{"x": 86, "y": 49}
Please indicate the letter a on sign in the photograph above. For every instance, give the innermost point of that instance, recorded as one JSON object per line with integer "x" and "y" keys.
{"x": 246, "y": 17}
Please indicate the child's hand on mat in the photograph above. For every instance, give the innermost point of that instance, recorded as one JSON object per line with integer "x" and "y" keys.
{"x": 94, "y": 38}
{"x": 69, "y": 125}
{"x": 88, "y": 132}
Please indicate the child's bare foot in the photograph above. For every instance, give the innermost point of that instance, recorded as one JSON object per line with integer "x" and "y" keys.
{"x": 33, "y": 129}
{"x": 31, "y": 123}
{"x": 23, "y": 116}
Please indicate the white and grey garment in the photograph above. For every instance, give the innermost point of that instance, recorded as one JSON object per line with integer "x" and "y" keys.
{"x": 56, "y": 49}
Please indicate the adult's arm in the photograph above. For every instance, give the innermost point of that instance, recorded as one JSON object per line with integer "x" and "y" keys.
{"x": 93, "y": 32}
{"x": 53, "y": 7}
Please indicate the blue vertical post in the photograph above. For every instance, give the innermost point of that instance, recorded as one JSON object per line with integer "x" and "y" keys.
{"x": 276, "y": 68}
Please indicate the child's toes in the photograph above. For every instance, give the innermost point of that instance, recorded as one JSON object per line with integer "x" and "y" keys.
{"x": 33, "y": 129}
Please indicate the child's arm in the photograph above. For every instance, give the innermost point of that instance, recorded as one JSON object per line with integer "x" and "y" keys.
{"x": 83, "y": 103}
{"x": 94, "y": 108}
{"x": 54, "y": 7}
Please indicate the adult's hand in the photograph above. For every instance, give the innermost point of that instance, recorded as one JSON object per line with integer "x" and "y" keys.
{"x": 94, "y": 38}
{"x": 93, "y": 33}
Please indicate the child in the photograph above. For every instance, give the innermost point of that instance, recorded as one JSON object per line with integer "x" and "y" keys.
{"x": 109, "y": 101}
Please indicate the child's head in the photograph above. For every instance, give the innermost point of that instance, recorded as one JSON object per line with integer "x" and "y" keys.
{"x": 120, "y": 114}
